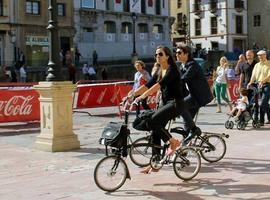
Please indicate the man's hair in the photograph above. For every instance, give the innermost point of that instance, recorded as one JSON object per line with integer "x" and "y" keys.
{"x": 186, "y": 49}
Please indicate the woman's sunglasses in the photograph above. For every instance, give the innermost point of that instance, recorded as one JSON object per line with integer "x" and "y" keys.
{"x": 160, "y": 54}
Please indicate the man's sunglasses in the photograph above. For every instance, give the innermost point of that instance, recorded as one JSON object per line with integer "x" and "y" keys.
{"x": 179, "y": 52}
{"x": 160, "y": 54}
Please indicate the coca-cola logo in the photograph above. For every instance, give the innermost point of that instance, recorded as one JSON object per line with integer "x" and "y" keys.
{"x": 16, "y": 105}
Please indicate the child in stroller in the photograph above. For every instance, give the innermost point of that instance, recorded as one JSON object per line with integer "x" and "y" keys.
{"x": 243, "y": 111}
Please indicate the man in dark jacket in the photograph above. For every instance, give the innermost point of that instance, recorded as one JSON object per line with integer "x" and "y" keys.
{"x": 199, "y": 91}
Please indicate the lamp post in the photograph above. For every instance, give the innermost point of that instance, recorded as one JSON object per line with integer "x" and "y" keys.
{"x": 56, "y": 124}
{"x": 185, "y": 27}
{"x": 134, "y": 53}
{"x": 54, "y": 69}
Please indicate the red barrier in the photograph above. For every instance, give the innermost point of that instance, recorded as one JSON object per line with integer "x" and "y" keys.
{"x": 232, "y": 91}
{"x": 19, "y": 105}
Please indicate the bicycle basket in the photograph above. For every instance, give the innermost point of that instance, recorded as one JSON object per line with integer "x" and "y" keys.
{"x": 114, "y": 135}
{"x": 140, "y": 123}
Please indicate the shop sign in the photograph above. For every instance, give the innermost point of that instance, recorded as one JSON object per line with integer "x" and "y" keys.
{"x": 37, "y": 40}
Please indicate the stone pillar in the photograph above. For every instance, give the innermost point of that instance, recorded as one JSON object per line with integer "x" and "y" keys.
{"x": 56, "y": 121}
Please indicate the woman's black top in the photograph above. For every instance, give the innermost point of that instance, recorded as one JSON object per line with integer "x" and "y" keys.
{"x": 171, "y": 85}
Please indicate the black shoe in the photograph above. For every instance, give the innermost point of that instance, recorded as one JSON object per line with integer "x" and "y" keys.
{"x": 197, "y": 131}
{"x": 261, "y": 124}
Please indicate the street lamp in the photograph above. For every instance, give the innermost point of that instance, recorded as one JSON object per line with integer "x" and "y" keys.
{"x": 134, "y": 54}
{"x": 54, "y": 69}
{"x": 185, "y": 27}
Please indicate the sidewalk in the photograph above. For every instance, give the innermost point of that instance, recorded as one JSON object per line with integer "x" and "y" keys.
{"x": 29, "y": 174}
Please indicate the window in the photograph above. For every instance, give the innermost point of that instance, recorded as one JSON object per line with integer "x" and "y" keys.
{"x": 215, "y": 45}
{"x": 213, "y": 25}
{"x": 143, "y": 28}
{"x": 109, "y": 27}
{"x": 197, "y": 26}
{"x": 109, "y": 5}
{"x": 125, "y": 5}
{"x": 126, "y": 27}
{"x": 257, "y": 20}
{"x": 180, "y": 20}
{"x": 239, "y": 24}
{"x": 143, "y": 7}
{"x": 61, "y": 9}
{"x": 157, "y": 28}
{"x": 158, "y": 7}
{"x": 88, "y": 3}
{"x": 32, "y": 7}
{"x": 179, "y": 3}
{"x": 1, "y": 8}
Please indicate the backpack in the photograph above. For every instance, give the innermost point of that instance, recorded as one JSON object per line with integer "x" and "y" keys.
{"x": 141, "y": 122}
{"x": 114, "y": 135}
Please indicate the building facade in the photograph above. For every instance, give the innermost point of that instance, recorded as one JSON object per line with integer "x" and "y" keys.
{"x": 179, "y": 9}
{"x": 219, "y": 24}
{"x": 258, "y": 27}
{"x": 108, "y": 27}
{"x": 23, "y": 29}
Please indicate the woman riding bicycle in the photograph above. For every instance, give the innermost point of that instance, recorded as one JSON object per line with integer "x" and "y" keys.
{"x": 168, "y": 80}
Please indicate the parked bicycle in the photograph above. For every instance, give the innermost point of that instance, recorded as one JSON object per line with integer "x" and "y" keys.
{"x": 112, "y": 171}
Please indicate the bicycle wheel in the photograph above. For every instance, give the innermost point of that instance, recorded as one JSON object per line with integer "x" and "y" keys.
{"x": 141, "y": 152}
{"x": 110, "y": 173}
{"x": 214, "y": 148}
{"x": 187, "y": 163}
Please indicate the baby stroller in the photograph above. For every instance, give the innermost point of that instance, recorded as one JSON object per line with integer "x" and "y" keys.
{"x": 246, "y": 115}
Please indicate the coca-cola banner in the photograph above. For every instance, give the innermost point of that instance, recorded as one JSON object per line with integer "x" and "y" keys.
{"x": 19, "y": 105}
{"x": 103, "y": 95}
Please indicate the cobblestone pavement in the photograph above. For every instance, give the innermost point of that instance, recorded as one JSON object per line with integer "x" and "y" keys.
{"x": 27, "y": 173}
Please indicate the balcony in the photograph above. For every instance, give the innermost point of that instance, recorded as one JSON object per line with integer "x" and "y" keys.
{"x": 213, "y": 6}
{"x": 197, "y": 8}
{"x": 239, "y": 5}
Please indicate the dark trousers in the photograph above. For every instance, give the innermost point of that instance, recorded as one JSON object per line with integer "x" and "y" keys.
{"x": 264, "y": 106}
{"x": 169, "y": 111}
{"x": 253, "y": 98}
{"x": 193, "y": 107}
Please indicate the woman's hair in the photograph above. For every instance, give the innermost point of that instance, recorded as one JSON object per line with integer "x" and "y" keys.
{"x": 186, "y": 49}
{"x": 140, "y": 62}
{"x": 243, "y": 91}
{"x": 171, "y": 60}
{"x": 155, "y": 69}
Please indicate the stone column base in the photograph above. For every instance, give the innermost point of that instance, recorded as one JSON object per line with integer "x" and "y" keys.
{"x": 56, "y": 122}
{"x": 46, "y": 142}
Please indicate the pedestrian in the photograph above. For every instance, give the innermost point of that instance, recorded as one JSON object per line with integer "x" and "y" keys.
{"x": 85, "y": 70}
{"x": 261, "y": 75}
{"x": 222, "y": 83}
{"x": 71, "y": 72}
{"x": 23, "y": 74}
{"x": 240, "y": 61}
{"x": 140, "y": 78}
{"x": 95, "y": 58}
{"x": 13, "y": 74}
{"x": 246, "y": 69}
{"x": 68, "y": 58}
{"x": 62, "y": 57}
{"x": 21, "y": 59}
{"x": 77, "y": 56}
{"x": 104, "y": 74}
{"x": 92, "y": 73}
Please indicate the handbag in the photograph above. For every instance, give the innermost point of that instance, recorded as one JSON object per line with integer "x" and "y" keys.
{"x": 114, "y": 135}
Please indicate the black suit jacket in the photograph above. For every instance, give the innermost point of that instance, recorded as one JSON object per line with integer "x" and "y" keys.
{"x": 197, "y": 84}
